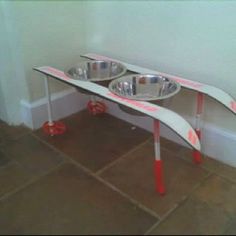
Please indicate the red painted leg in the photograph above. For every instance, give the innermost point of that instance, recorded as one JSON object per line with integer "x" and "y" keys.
{"x": 197, "y": 157}
{"x": 160, "y": 188}
{"x": 96, "y": 107}
{"x": 54, "y": 128}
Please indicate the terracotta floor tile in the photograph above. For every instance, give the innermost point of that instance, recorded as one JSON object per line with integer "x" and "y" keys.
{"x": 34, "y": 156}
{"x": 65, "y": 200}
{"x": 217, "y": 167}
{"x": 210, "y": 210}
{"x": 193, "y": 218}
{"x": 212, "y": 165}
{"x": 134, "y": 175}
{"x": 231, "y": 230}
{"x": 3, "y": 159}
{"x": 218, "y": 192}
{"x": 170, "y": 146}
{"x": 9, "y": 133}
{"x": 96, "y": 141}
{"x": 12, "y": 176}
{"x": 68, "y": 201}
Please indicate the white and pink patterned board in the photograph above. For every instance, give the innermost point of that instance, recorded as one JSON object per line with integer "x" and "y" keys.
{"x": 216, "y": 93}
{"x": 169, "y": 118}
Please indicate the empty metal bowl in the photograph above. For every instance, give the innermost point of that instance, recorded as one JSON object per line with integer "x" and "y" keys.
{"x": 144, "y": 87}
{"x": 95, "y": 71}
{"x": 100, "y": 72}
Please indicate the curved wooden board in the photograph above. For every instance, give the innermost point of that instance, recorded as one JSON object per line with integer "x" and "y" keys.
{"x": 216, "y": 93}
{"x": 169, "y": 118}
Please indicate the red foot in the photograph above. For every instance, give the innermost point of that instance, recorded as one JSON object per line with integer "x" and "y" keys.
{"x": 197, "y": 157}
{"x": 56, "y": 128}
{"x": 96, "y": 108}
{"x": 160, "y": 188}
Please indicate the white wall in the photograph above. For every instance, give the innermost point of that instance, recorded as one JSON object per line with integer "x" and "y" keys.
{"x": 36, "y": 33}
{"x": 52, "y": 33}
{"x": 12, "y": 77}
{"x": 192, "y": 39}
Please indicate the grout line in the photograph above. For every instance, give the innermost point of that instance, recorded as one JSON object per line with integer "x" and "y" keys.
{"x": 225, "y": 178}
{"x": 114, "y": 188}
{"x": 31, "y": 181}
{"x": 202, "y": 166}
{"x": 101, "y": 180}
{"x": 152, "y": 228}
{"x": 132, "y": 200}
{"x": 233, "y": 181}
{"x": 10, "y": 141}
{"x": 135, "y": 202}
{"x": 179, "y": 204}
{"x": 166, "y": 215}
{"x": 188, "y": 161}
{"x": 229, "y": 179}
{"x": 119, "y": 159}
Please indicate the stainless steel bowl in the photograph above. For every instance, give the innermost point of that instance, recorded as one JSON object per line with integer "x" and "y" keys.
{"x": 100, "y": 72}
{"x": 96, "y": 70}
{"x": 144, "y": 87}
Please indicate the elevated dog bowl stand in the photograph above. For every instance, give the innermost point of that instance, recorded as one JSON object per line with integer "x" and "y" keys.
{"x": 202, "y": 90}
{"x": 159, "y": 114}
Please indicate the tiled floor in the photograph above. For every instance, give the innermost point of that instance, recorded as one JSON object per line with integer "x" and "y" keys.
{"x": 98, "y": 179}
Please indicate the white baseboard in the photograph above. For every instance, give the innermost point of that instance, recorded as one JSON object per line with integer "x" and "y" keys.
{"x": 64, "y": 104}
{"x": 217, "y": 143}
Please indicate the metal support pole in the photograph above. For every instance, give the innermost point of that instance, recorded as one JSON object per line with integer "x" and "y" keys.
{"x": 51, "y": 127}
{"x": 49, "y": 104}
{"x": 93, "y": 99}
{"x": 158, "y": 169}
{"x": 200, "y": 100}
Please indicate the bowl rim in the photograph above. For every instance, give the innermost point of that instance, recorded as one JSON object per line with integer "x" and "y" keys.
{"x": 124, "y": 70}
{"x": 123, "y": 78}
